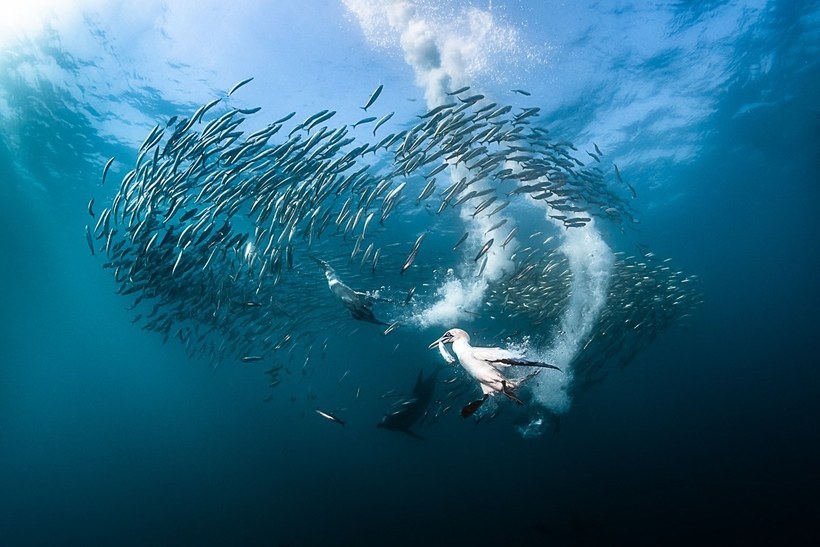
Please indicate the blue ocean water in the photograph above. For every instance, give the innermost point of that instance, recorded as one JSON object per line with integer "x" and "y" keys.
{"x": 707, "y": 434}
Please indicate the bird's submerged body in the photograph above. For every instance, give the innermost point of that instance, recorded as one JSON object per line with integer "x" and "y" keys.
{"x": 358, "y": 303}
{"x": 485, "y": 372}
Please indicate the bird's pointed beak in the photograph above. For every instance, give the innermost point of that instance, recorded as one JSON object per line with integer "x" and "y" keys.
{"x": 322, "y": 264}
{"x": 443, "y": 339}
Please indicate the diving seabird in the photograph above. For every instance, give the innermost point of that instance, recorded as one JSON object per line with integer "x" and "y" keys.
{"x": 485, "y": 364}
{"x": 357, "y": 302}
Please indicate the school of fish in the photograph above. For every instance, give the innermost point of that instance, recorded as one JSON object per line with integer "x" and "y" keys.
{"x": 214, "y": 233}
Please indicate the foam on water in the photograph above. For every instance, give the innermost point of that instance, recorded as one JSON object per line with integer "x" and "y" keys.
{"x": 457, "y": 297}
{"x": 446, "y": 46}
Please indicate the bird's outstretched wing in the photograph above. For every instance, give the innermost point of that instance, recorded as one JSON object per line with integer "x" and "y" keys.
{"x": 370, "y": 299}
{"x": 494, "y": 356}
{"x": 499, "y": 357}
{"x": 515, "y": 362}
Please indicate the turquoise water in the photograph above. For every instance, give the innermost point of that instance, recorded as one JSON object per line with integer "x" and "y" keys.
{"x": 693, "y": 422}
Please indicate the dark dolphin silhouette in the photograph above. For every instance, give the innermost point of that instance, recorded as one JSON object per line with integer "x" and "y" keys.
{"x": 412, "y": 410}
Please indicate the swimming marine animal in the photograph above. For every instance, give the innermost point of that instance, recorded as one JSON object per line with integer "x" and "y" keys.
{"x": 485, "y": 365}
{"x": 412, "y": 410}
{"x": 357, "y": 302}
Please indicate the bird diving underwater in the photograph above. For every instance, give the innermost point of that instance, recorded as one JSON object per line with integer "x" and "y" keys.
{"x": 485, "y": 365}
{"x": 357, "y": 302}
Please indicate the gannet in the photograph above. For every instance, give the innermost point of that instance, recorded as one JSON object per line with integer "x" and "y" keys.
{"x": 485, "y": 365}
{"x": 357, "y": 302}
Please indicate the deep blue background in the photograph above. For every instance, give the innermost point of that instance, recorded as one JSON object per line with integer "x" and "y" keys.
{"x": 107, "y": 436}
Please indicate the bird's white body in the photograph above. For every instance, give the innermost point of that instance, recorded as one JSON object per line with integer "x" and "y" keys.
{"x": 485, "y": 365}
{"x": 478, "y": 362}
{"x": 357, "y": 302}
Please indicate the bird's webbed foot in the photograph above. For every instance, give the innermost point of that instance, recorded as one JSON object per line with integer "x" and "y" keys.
{"x": 470, "y": 409}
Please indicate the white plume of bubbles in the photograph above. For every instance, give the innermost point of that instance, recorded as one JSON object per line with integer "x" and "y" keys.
{"x": 590, "y": 261}
{"x": 446, "y": 52}
{"x": 445, "y": 43}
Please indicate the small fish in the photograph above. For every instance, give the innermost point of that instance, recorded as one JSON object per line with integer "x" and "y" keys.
{"x": 438, "y": 170}
{"x": 356, "y": 247}
{"x": 203, "y": 109}
{"x": 442, "y": 349}
{"x": 381, "y": 122}
{"x": 412, "y": 256}
{"x": 251, "y": 358}
{"x": 521, "y": 91}
{"x": 188, "y": 214}
{"x": 364, "y": 120}
{"x": 329, "y": 416}
{"x": 366, "y": 224}
{"x": 631, "y": 188}
{"x": 391, "y": 328}
{"x": 509, "y": 237}
{"x": 176, "y": 264}
{"x": 286, "y": 118}
{"x": 410, "y": 294}
{"x": 240, "y": 84}
{"x": 91, "y": 207}
{"x": 106, "y": 168}
{"x": 436, "y": 110}
{"x": 483, "y": 205}
{"x": 472, "y": 99}
{"x": 427, "y": 190}
{"x": 89, "y": 240}
{"x": 316, "y": 119}
{"x": 497, "y": 225}
{"x": 469, "y": 195}
{"x": 460, "y": 240}
{"x": 484, "y": 249}
{"x": 497, "y": 209}
{"x": 373, "y": 98}
{"x": 367, "y": 253}
{"x": 483, "y": 265}
{"x": 459, "y": 90}
{"x": 409, "y": 262}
